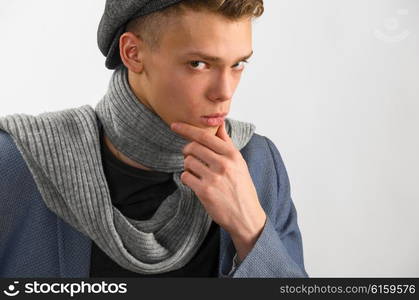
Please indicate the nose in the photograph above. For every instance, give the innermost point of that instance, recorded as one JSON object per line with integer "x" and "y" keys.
{"x": 223, "y": 87}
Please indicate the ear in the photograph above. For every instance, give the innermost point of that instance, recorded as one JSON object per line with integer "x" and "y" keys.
{"x": 131, "y": 51}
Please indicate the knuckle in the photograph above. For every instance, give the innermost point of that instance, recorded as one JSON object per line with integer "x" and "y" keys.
{"x": 234, "y": 154}
{"x": 217, "y": 179}
{"x": 206, "y": 191}
{"x": 223, "y": 167}
{"x": 237, "y": 156}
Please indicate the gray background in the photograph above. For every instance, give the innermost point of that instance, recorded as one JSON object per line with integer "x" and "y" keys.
{"x": 333, "y": 83}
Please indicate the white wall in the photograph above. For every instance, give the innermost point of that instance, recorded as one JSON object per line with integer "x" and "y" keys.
{"x": 335, "y": 84}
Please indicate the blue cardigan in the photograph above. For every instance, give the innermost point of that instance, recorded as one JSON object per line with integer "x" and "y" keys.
{"x": 35, "y": 242}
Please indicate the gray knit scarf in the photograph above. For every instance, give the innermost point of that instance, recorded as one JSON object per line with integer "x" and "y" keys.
{"x": 62, "y": 151}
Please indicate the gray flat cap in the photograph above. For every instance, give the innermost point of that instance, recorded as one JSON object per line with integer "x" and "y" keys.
{"x": 114, "y": 19}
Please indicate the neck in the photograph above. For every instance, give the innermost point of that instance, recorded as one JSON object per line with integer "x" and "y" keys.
{"x": 121, "y": 156}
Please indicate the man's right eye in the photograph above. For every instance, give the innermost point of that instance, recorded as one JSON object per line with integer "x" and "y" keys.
{"x": 195, "y": 64}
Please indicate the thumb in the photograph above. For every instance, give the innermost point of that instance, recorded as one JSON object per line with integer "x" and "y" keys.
{"x": 222, "y": 133}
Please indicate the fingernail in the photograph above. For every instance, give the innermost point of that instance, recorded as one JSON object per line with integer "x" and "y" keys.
{"x": 175, "y": 125}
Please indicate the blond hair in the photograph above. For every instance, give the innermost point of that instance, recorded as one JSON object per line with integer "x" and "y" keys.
{"x": 150, "y": 27}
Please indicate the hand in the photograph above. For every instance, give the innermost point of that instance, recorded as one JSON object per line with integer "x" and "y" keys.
{"x": 218, "y": 174}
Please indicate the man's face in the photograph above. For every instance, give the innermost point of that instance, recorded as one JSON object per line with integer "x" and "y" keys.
{"x": 181, "y": 86}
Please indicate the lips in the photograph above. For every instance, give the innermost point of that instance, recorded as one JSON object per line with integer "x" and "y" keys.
{"x": 213, "y": 121}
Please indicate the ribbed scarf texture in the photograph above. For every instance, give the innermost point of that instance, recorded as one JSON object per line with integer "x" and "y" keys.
{"x": 62, "y": 151}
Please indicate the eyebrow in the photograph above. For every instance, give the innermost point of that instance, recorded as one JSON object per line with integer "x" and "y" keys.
{"x": 215, "y": 58}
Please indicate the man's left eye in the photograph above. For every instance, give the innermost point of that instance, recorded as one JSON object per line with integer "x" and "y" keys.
{"x": 243, "y": 64}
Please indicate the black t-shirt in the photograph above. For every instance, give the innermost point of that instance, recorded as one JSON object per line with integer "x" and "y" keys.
{"x": 137, "y": 193}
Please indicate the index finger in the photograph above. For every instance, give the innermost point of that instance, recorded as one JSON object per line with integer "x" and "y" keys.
{"x": 201, "y": 136}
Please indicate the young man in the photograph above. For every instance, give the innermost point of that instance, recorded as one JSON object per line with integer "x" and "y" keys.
{"x": 119, "y": 190}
